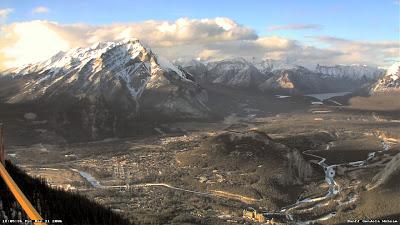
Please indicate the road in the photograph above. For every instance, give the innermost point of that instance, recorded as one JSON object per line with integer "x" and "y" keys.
{"x": 214, "y": 193}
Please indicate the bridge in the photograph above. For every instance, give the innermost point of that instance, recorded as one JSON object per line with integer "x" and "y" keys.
{"x": 13, "y": 187}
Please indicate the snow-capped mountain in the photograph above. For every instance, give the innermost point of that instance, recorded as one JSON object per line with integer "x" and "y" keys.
{"x": 390, "y": 82}
{"x": 273, "y": 75}
{"x": 354, "y": 72}
{"x": 298, "y": 80}
{"x": 269, "y": 65}
{"x": 236, "y": 72}
{"x": 194, "y": 67}
{"x": 106, "y": 86}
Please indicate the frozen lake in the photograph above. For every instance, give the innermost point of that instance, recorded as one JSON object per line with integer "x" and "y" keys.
{"x": 324, "y": 96}
{"x": 95, "y": 183}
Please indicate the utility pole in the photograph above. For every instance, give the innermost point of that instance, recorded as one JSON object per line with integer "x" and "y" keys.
{"x": 2, "y": 153}
{"x": 13, "y": 187}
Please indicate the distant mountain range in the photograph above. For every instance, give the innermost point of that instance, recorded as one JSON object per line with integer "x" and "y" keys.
{"x": 109, "y": 88}
{"x": 235, "y": 73}
{"x": 276, "y": 76}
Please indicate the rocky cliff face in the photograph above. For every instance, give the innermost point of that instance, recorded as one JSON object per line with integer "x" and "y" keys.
{"x": 299, "y": 169}
{"x": 389, "y": 177}
{"x": 103, "y": 89}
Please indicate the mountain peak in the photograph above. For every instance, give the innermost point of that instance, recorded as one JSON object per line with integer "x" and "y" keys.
{"x": 105, "y": 82}
{"x": 394, "y": 71}
{"x": 77, "y": 58}
{"x": 390, "y": 82}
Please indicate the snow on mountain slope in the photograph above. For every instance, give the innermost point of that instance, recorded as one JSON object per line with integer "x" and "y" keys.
{"x": 195, "y": 67}
{"x": 123, "y": 58}
{"x": 269, "y": 65}
{"x": 281, "y": 76}
{"x": 355, "y": 72}
{"x": 298, "y": 80}
{"x": 236, "y": 72}
{"x": 108, "y": 84}
{"x": 390, "y": 82}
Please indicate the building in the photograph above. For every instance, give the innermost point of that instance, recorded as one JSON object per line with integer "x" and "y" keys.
{"x": 265, "y": 217}
{"x": 252, "y": 214}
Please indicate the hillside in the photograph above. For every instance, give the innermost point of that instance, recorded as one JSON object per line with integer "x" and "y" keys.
{"x": 71, "y": 208}
{"x": 259, "y": 167}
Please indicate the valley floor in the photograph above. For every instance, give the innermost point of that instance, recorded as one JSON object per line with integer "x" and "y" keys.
{"x": 144, "y": 178}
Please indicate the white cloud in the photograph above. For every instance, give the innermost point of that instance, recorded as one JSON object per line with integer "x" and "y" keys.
{"x": 277, "y": 48}
{"x": 362, "y": 52}
{"x": 4, "y": 13}
{"x": 295, "y": 27}
{"x": 181, "y": 31}
{"x": 47, "y": 38}
{"x": 207, "y": 54}
{"x": 40, "y": 9}
{"x": 27, "y": 42}
{"x": 275, "y": 42}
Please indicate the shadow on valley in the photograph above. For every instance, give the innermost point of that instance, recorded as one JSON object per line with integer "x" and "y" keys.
{"x": 54, "y": 204}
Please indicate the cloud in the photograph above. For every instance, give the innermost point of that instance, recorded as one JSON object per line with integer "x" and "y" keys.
{"x": 248, "y": 48}
{"x": 179, "y": 32}
{"x": 277, "y": 48}
{"x": 207, "y": 54}
{"x": 339, "y": 51}
{"x": 26, "y": 41}
{"x": 218, "y": 38}
{"x": 329, "y": 39}
{"x": 295, "y": 27}
{"x": 4, "y": 13}
{"x": 40, "y": 9}
{"x": 362, "y": 52}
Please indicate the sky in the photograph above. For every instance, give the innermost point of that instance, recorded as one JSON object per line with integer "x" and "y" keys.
{"x": 295, "y": 31}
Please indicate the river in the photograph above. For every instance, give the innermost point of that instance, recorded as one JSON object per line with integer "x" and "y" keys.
{"x": 334, "y": 188}
{"x": 329, "y": 170}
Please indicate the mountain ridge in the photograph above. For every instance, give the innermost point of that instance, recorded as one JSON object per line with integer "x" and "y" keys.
{"x": 269, "y": 75}
{"x": 105, "y": 87}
